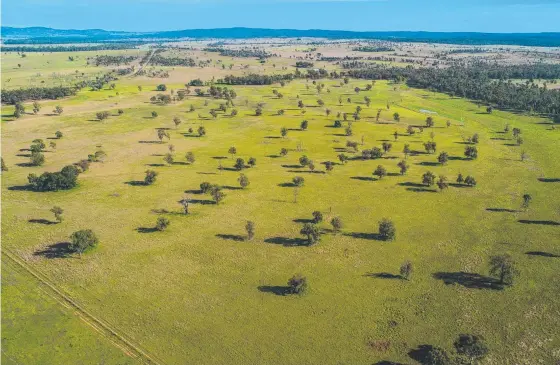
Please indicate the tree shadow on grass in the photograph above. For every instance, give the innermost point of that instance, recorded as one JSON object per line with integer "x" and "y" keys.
{"x": 23, "y": 155}
{"x": 182, "y": 163}
{"x": 231, "y": 237}
{"x": 273, "y": 156}
{"x": 219, "y": 158}
{"x": 363, "y": 178}
{"x": 229, "y": 187}
{"x": 21, "y": 188}
{"x": 287, "y": 185}
{"x": 382, "y": 275}
{"x": 421, "y": 354}
{"x": 545, "y": 223}
{"x": 426, "y": 163}
{"x": 469, "y": 280}
{"x": 288, "y": 242}
{"x": 135, "y": 183}
{"x": 292, "y": 166}
{"x": 421, "y": 190}
{"x": 272, "y": 137}
{"x": 302, "y": 220}
{"x": 549, "y": 180}
{"x": 193, "y": 191}
{"x": 503, "y": 210}
{"x": 274, "y": 289}
{"x": 411, "y": 184}
{"x": 541, "y": 253}
{"x": 25, "y": 164}
{"x": 364, "y": 236}
{"x": 58, "y": 250}
{"x": 155, "y": 164}
{"x": 462, "y": 186}
{"x": 202, "y": 201}
{"x": 387, "y": 362}
{"x": 151, "y": 142}
{"x": 146, "y": 229}
{"x": 42, "y": 221}
{"x": 307, "y": 172}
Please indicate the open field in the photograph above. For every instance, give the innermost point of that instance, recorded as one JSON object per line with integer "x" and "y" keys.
{"x": 200, "y": 293}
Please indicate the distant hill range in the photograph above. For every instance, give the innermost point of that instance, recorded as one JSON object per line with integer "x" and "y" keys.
{"x": 40, "y": 35}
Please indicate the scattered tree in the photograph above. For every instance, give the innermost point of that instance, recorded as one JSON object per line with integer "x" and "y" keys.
{"x": 312, "y": 232}
{"x": 387, "y": 230}
{"x": 503, "y": 268}
{"x": 82, "y": 240}
{"x": 57, "y": 211}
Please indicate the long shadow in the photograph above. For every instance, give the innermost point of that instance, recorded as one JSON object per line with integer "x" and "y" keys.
{"x": 155, "y": 164}
{"x": 274, "y": 289}
{"x": 228, "y": 187}
{"x": 307, "y": 172}
{"x": 421, "y": 190}
{"x": 231, "y": 237}
{"x": 230, "y": 169}
{"x": 545, "y": 223}
{"x": 292, "y": 166}
{"x": 272, "y": 137}
{"x": 55, "y": 251}
{"x": 194, "y": 191}
{"x": 273, "y": 156}
{"x": 287, "y": 185}
{"x": 541, "y": 253}
{"x": 411, "y": 184}
{"x": 469, "y": 280}
{"x": 23, "y": 155}
{"x": 363, "y": 178}
{"x": 146, "y": 229}
{"x": 426, "y": 163}
{"x": 135, "y": 183}
{"x": 151, "y": 142}
{"x": 25, "y": 164}
{"x": 510, "y": 144}
{"x": 549, "y": 180}
{"x": 42, "y": 221}
{"x": 206, "y": 173}
{"x": 20, "y": 188}
{"x": 288, "y": 242}
{"x": 457, "y": 158}
{"x": 505, "y": 210}
{"x": 219, "y": 158}
{"x": 457, "y": 185}
{"x": 382, "y": 275}
{"x": 302, "y": 220}
{"x": 364, "y": 236}
{"x": 202, "y": 201}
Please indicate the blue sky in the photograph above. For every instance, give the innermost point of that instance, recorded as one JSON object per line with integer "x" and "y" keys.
{"x": 150, "y": 15}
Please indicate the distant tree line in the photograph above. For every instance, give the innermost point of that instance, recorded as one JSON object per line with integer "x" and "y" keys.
{"x": 107, "y": 60}
{"x": 373, "y": 49}
{"x": 36, "y": 93}
{"x": 172, "y": 61}
{"x": 242, "y": 53}
{"x": 255, "y": 79}
{"x": 480, "y": 82}
{"x": 70, "y": 48}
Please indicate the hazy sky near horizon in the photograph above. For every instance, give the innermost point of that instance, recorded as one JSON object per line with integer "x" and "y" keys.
{"x": 358, "y": 15}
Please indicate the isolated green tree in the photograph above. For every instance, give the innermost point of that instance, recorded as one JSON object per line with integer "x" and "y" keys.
{"x": 312, "y": 232}
{"x": 387, "y": 230}
{"x": 81, "y": 241}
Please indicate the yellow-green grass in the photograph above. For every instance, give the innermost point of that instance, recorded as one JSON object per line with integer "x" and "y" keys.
{"x": 191, "y": 294}
{"x": 37, "y": 329}
{"x": 38, "y": 69}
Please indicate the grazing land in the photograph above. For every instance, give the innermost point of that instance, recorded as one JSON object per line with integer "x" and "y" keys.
{"x": 165, "y": 287}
